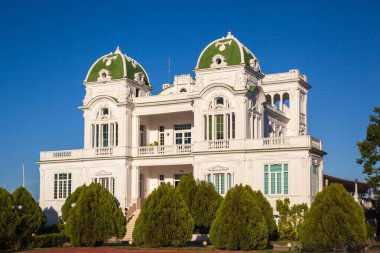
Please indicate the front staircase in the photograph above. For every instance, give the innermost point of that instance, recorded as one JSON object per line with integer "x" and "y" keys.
{"x": 131, "y": 224}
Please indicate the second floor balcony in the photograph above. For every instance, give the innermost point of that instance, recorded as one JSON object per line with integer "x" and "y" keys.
{"x": 262, "y": 144}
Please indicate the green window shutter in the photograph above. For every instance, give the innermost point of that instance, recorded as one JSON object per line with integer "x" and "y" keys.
{"x": 209, "y": 178}
{"x": 278, "y": 183}
{"x": 229, "y": 179}
{"x": 286, "y": 183}
{"x": 222, "y": 183}
{"x": 266, "y": 191}
{"x": 55, "y": 186}
{"x": 69, "y": 184}
{"x": 273, "y": 183}
{"x": 216, "y": 183}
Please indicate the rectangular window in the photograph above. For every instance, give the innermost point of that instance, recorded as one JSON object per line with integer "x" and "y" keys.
{"x": 62, "y": 185}
{"x": 104, "y": 182}
{"x": 162, "y": 135}
{"x": 273, "y": 183}
{"x": 229, "y": 181}
{"x": 177, "y": 178}
{"x": 279, "y": 185}
{"x": 286, "y": 179}
{"x": 178, "y": 138}
{"x": 182, "y": 134}
{"x": 113, "y": 185}
{"x": 266, "y": 183}
{"x": 161, "y": 179}
{"x": 216, "y": 182}
{"x": 219, "y": 120}
{"x": 209, "y": 178}
{"x": 278, "y": 179}
{"x": 187, "y": 139}
{"x": 105, "y": 134}
{"x": 182, "y": 127}
{"x": 222, "y": 184}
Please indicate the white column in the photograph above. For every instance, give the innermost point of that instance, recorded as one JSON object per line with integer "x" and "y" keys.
{"x": 135, "y": 179}
{"x": 135, "y": 134}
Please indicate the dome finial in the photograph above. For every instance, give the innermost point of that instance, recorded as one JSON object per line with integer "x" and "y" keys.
{"x": 229, "y": 34}
{"x": 117, "y": 51}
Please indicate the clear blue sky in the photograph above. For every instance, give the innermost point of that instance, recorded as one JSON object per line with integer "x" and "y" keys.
{"x": 47, "y": 47}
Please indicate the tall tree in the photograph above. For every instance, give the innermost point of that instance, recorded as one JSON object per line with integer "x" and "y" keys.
{"x": 187, "y": 187}
{"x": 95, "y": 217}
{"x": 265, "y": 208}
{"x": 334, "y": 221}
{"x": 71, "y": 201}
{"x": 370, "y": 151}
{"x": 239, "y": 223}
{"x": 164, "y": 219}
{"x": 30, "y": 216}
{"x": 205, "y": 204}
{"x": 8, "y": 219}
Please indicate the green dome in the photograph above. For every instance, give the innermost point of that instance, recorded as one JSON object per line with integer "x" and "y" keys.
{"x": 116, "y": 66}
{"x": 226, "y": 51}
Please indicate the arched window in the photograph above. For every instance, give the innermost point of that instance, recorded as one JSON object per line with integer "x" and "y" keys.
{"x": 285, "y": 99}
{"x": 183, "y": 90}
{"x": 104, "y": 130}
{"x": 277, "y": 101}
{"x": 219, "y": 125}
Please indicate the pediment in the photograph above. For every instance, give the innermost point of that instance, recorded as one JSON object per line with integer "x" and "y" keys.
{"x": 103, "y": 173}
{"x": 218, "y": 168}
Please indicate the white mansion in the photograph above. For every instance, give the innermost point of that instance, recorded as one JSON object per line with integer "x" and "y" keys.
{"x": 231, "y": 124}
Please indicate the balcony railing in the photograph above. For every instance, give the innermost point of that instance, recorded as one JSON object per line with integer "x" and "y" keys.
{"x": 203, "y": 146}
{"x": 164, "y": 150}
{"x": 84, "y": 153}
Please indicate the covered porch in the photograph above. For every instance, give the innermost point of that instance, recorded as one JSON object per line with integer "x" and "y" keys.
{"x": 145, "y": 179}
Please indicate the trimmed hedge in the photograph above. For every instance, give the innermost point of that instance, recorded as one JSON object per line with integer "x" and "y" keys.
{"x": 239, "y": 222}
{"x": 164, "y": 219}
{"x": 49, "y": 240}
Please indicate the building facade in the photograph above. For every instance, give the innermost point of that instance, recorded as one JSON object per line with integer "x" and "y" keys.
{"x": 230, "y": 124}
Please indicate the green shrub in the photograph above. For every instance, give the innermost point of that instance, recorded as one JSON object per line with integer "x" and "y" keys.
{"x": 164, "y": 219}
{"x": 266, "y": 210}
{"x": 334, "y": 221}
{"x": 95, "y": 218}
{"x": 8, "y": 220}
{"x": 48, "y": 240}
{"x": 206, "y": 202}
{"x": 71, "y": 199}
{"x": 291, "y": 219}
{"x": 187, "y": 187}
{"x": 239, "y": 223}
{"x": 30, "y": 217}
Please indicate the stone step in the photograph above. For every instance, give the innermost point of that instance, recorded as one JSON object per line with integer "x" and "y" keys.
{"x": 131, "y": 225}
